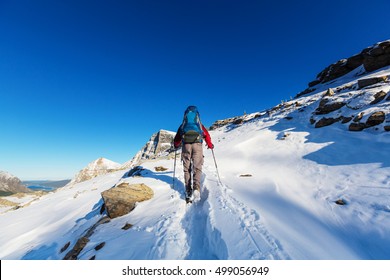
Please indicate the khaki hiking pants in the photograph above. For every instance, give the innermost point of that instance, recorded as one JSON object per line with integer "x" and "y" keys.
{"x": 192, "y": 153}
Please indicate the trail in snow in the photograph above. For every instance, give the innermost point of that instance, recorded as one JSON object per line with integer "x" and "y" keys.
{"x": 220, "y": 226}
{"x": 245, "y": 222}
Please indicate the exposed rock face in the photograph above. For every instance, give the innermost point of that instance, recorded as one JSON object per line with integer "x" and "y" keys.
{"x": 96, "y": 168}
{"x": 325, "y": 122}
{"x": 236, "y": 121}
{"x": 121, "y": 200}
{"x": 11, "y": 184}
{"x": 371, "y": 81}
{"x": 326, "y": 106}
{"x": 376, "y": 119}
{"x": 159, "y": 145}
{"x": 372, "y": 58}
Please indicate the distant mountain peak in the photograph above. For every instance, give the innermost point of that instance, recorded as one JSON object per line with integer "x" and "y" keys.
{"x": 11, "y": 184}
{"x": 96, "y": 168}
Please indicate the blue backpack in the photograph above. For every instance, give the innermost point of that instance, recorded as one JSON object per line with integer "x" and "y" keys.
{"x": 191, "y": 128}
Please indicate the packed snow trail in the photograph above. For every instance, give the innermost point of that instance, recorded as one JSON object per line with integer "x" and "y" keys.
{"x": 251, "y": 240}
{"x": 209, "y": 225}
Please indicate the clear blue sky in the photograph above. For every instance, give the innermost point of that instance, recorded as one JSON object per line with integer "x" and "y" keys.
{"x": 82, "y": 79}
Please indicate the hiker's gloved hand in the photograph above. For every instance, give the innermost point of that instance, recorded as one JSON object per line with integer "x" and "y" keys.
{"x": 210, "y": 146}
{"x": 176, "y": 145}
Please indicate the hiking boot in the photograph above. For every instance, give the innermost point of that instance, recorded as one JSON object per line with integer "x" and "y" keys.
{"x": 189, "y": 194}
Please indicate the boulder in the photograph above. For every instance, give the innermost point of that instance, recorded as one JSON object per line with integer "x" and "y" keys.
{"x": 325, "y": 107}
{"x": 357, "y": 126}
{"x": 378, "y": 97}
{"x": 375, "y": 119}
{"x": 121, "y": 200}
{"x": 371, "y": 81}
{"x": 325, "y": 122}
{"x": 329, "y": 92}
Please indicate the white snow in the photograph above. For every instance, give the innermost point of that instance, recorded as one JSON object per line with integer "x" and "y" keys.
{"x": 284, "y": 210}
{"x": 5, "y": 175}
{"x": 280, "y": 180}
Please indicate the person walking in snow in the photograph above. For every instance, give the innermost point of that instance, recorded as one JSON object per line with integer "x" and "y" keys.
{"x": 190, "y": 135}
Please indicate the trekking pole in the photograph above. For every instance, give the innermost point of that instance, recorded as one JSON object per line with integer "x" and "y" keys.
{"x": 174, "y": 171}
{"x": 216, "y": 167}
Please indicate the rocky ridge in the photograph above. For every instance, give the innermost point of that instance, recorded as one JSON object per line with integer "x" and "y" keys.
{"x": 353, "y": 92}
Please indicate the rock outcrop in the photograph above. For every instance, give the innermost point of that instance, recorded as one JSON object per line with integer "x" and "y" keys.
{"x": 122, "y": 199}
{"x": 159, "y": 145}
{"x": 372, "y": 58}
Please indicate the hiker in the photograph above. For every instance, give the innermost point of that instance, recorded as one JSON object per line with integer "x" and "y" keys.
{"x": 190, "y": 135}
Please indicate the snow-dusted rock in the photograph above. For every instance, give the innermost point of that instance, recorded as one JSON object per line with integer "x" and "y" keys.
{"x": 96, "y": 168}
{"x": 122, "y": 199}
{"x": 159, "y": 145}
{"x": 11, "y": 184}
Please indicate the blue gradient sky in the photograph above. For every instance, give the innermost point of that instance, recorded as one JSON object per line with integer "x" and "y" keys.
{"x": 81, "y": 79}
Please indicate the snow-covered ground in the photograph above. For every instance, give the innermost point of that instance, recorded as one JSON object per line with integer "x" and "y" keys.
{"x": 280, "y": 180}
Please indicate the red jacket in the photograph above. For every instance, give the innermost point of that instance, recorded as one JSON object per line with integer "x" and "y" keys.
{"x": 206, "y": 136}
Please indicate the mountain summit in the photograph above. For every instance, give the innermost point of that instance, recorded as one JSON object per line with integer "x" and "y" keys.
{"x": 95, "y": 168}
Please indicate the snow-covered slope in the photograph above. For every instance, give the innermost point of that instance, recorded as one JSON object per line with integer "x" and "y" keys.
{"x": 280, "y": 180}
{"x": 288, "y": 190}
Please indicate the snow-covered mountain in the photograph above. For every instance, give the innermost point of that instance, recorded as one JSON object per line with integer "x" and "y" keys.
{"x": 95, "y": 168}
{"x": 11, "y": 184}
{"x": 159, "y": 145}
{"x": 298, "y": 181}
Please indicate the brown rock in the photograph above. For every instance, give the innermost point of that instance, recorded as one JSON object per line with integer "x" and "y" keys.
{"x": 371, "y": 81}
{"x": 127, "y": 226}
{"x": 378, "y": 97}
{"x": 325, "y": 122}
{"x": 325, "y": 107}
{"x": 375, "y": 119}
{"x": 357, "y": 126}
{"x": 122, "y": 199}
{"x": 346, "y": 119}
{"x": 160, "y": 168}
{"x": 340, "y": 202}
